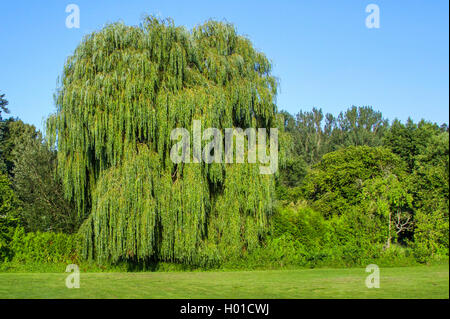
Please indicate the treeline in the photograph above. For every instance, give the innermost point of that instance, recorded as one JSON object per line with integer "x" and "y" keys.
{"x": 368, "y": 188}
{"x": 351, "y": 189}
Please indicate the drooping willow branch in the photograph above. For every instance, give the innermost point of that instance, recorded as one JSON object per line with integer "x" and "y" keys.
{"x": 122, "y": 92}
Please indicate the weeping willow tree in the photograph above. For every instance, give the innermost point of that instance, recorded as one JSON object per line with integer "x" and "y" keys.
{"x": 122, "y": 92}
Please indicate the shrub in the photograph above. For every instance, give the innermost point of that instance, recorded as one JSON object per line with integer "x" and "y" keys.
{"x": 303, "y": 224}
{"x": 45, "y": 247}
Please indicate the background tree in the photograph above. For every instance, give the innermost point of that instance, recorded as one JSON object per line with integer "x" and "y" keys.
{"x": 424, "y": 147}
{"x": 8, "y": 216}
{"x": 311, "y": 140}
{"x": 410, "y": 139}
{"x": 336, "y": 182}
{"x": 388, "y": 198}
{"x": 8, "y": 201}
{"x": 431, "y": 185}
{"x": 3, "y": 108}
{"x": 292, "y": 168}
{"x": 315, "y": 134}
{"x": 358, "y": 126}
{"x": 14, "y": 133}
{"x": 39, "y": 190}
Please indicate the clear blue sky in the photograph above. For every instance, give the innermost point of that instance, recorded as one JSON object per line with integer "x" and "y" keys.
{"x": 322, "y": 52}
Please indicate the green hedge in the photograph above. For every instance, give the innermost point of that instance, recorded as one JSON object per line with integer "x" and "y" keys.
{"x": 45, "y": 247}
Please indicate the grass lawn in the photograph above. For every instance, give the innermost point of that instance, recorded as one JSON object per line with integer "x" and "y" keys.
{"x": 402, "y": 282}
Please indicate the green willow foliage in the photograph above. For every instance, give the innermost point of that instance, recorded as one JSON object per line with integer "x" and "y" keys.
{"x": 122, "y": 92}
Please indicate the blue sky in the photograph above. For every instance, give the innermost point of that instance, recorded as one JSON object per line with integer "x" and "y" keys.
{"x": 322, "y": 52}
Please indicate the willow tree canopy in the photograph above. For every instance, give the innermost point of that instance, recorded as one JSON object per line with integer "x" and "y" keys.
{"x": 122, "y": 92}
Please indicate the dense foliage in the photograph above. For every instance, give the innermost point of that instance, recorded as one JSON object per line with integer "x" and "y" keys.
{"x": 8, "y": 219}
{"x": 40, "y": 191}
{"x": 393, "y": 187}
{"x": 352, "y": 189}
{"x": 123, "y": 91}
{"x": 45, "y": 247}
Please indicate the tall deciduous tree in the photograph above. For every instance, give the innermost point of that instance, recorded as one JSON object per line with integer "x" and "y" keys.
{"x": 123, "y": 91}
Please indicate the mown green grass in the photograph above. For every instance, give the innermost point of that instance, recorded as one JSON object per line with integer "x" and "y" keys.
{"x": 400, "y": 282}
